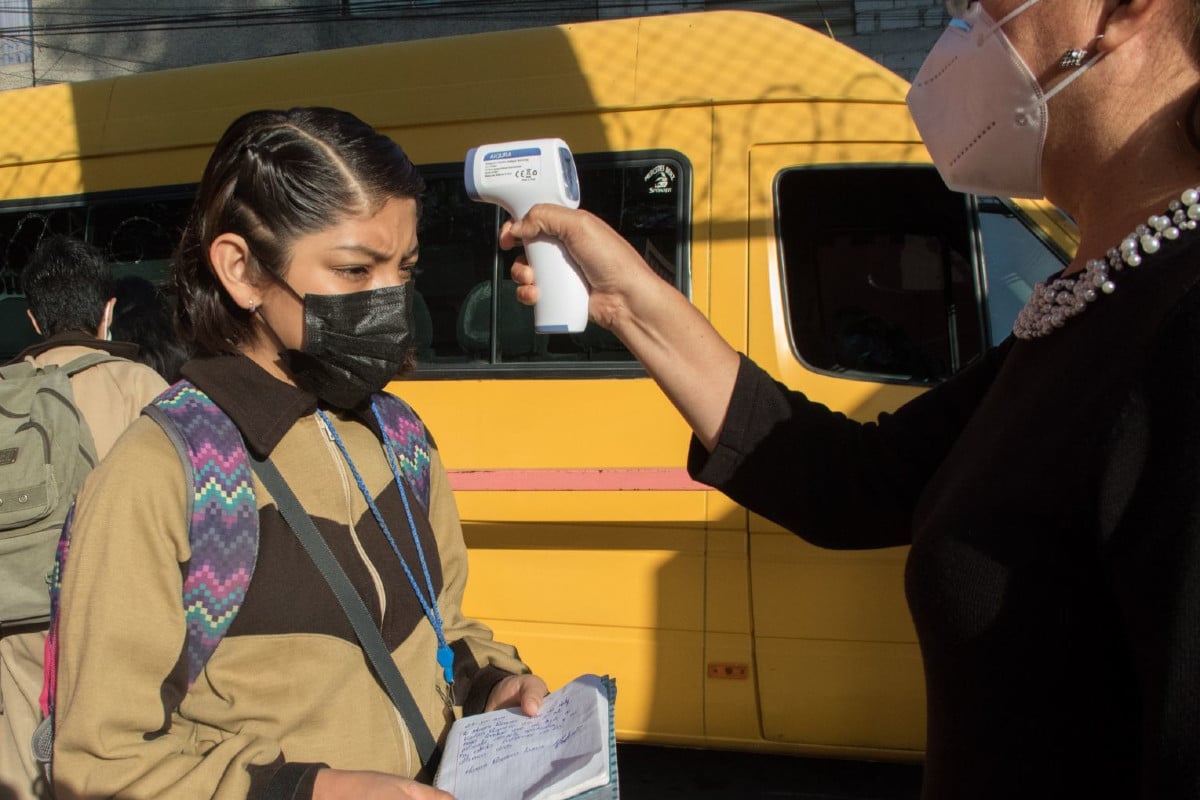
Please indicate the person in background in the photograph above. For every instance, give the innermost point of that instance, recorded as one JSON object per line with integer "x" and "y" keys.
{"x": 68, "y": 285}
{"x": 141, "y": 315}
{"x": 1049, "y": 490}
{"x": 294, "y": 284}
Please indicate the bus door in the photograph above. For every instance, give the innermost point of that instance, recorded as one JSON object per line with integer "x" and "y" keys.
{"x": 864, "y": 290}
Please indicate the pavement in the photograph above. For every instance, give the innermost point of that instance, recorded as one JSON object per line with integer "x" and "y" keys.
{"x": 668, "y": 773}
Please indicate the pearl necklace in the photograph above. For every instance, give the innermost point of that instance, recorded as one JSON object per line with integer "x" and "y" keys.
{"x": 1053, "y": 303}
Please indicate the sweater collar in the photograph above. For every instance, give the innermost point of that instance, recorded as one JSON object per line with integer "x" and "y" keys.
{"x": 262, "y": 407}
{"x": 79, "y": 339}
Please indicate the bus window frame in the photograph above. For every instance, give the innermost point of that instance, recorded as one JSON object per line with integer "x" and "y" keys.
{"x": 977, "y": 268}
{"x": 979, "y": 204}
{"x": 86, "y": 202}
{"x": 543, "y": 370}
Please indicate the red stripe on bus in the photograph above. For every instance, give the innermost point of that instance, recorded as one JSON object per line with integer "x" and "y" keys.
{"x": 648, "y": 479}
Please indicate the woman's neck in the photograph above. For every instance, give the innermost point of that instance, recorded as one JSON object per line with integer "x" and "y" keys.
{"x": 1148, "y": 165}
{"x": 266, "y": 355}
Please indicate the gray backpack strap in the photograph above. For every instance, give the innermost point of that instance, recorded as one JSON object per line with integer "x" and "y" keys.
{"x": 356, "y": 611}
{"x": 87, "y": 361}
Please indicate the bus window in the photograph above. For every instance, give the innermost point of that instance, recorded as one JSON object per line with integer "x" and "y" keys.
{"x": 878, "y": 272}
{"x": 22, "y": 230}
{"x": 138, "y": 236}
{"x": 1014, "y": 258}
{"x": 458, "y": 253}
{"x": 467, "y": 312}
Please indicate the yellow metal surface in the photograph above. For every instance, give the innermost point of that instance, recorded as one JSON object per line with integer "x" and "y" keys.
{"x": 658, "y": 684}
{"x": 842, "y": 693}
{"x": 1048, "y": 219}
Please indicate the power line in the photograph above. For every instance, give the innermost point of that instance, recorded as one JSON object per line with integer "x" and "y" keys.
{"x": 130, "y": 20}
{"x": 110, "y": 21}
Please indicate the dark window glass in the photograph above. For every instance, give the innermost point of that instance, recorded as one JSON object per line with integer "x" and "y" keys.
{"x": 22, "y": 230}
{"x": 139, "y": 236}
{"x": 20, "y": 233}
{"x": 463, "y": 284}
{"x": 458, "y": 265}
{"x": 879, "y": 274}
{"x": 468, "y": 314}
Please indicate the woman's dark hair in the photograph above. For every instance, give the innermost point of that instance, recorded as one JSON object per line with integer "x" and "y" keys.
{"x": 274, "y": 177}
{"x": 142, "y": 315}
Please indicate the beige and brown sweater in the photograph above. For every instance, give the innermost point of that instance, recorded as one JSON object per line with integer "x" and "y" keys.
{"x": 289, "y": 685}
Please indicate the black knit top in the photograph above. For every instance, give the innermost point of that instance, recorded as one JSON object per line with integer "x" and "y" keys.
{"x": 1051, "y": 494}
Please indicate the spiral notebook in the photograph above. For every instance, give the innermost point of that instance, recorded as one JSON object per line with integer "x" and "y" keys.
{"x": 567, "y": 752}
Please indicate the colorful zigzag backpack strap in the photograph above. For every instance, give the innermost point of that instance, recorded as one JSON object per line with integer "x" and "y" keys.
{"x": 224, "y": 520}
{"x": 405, "y": 433}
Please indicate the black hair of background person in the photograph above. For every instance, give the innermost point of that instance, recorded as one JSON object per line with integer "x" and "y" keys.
{"x": 67, "y": 283}
{"x": 141, "y": 316}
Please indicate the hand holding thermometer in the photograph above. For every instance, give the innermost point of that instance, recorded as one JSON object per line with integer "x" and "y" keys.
{"x": 517, "y": 176}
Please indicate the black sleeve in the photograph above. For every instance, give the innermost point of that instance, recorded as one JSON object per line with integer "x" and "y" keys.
{"x": 1150, "y": 527}
{"x": 836, "y": 482}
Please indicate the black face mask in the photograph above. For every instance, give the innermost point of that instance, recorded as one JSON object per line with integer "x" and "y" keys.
{"x": 354, "y": 344}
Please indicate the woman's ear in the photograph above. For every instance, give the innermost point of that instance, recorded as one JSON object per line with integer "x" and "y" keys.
{"x": 230, "y": 258}
{"x": 1126, "y": 19}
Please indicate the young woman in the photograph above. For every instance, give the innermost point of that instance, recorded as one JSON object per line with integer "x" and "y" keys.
{"x": 1049, "y": 491}
{"x": 294, "y": 288}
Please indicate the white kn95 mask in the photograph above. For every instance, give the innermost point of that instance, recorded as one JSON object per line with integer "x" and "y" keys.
{"x": 980, "y": 110}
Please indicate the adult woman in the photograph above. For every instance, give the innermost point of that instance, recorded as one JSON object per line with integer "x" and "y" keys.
{"x": 293, "y": 278}
{"x": 1049, "y": 490}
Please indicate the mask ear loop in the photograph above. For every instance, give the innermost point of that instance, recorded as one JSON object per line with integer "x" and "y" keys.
{"x": 997, "y": 25}
{"x": 1001, "y": 22}
{"x": 1081, "y": 68}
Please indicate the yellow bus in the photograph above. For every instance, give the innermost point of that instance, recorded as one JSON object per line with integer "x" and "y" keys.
{"x": 768, "y": 172}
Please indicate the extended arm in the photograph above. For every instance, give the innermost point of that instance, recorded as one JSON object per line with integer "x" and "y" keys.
{"x": 835, "y": 481}
{"x": 692, "y": 364}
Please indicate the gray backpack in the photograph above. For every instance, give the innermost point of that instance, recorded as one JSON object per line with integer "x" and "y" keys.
{"x": 46, "y": 450}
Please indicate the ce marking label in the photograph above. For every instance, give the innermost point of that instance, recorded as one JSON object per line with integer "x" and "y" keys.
{"x": 526, "y": 174}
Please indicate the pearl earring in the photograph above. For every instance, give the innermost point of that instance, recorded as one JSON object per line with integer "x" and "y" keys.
{"x": 251, "y": 308}
{"x": 1077, "y": 55}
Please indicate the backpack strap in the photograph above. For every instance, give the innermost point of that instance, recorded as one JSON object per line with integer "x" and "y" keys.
{"x": 409, "y": 441}
{"x": 222, "y": 533}
{"x": 42, "y": 745}
{"x": 223, "y": 529}
{"x": 44, "y": 735}
{"x": 87, "y": 361}
{"x": 49, "y": 673}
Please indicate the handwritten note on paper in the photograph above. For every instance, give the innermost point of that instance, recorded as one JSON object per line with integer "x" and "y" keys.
{"x": 505, "y": 755}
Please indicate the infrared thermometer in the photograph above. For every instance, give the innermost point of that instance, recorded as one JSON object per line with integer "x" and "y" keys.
{"x": 517, "y": 176}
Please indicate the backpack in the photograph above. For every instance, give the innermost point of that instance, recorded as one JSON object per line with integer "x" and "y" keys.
{"x": 223, "y": 526}
{"x": 46, "y": 450}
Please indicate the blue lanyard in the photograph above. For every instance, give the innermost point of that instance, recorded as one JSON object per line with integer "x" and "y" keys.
{"x": 445, "y": 656}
